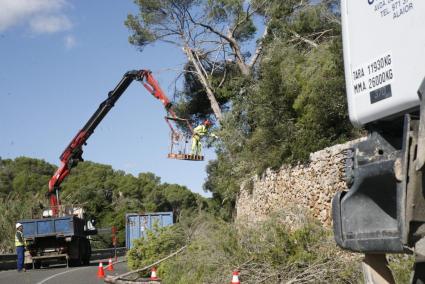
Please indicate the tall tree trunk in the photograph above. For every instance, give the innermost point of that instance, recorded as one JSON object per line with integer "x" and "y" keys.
{"x": 204, "y": 81}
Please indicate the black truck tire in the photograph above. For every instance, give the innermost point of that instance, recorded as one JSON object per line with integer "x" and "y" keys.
{"x": 87, "y": 252}
{"x": 75, "y": 252}
{"x": 37, "y": 264}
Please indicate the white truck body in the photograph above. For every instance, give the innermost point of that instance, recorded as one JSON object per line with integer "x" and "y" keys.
{"x": 384, "y": 56}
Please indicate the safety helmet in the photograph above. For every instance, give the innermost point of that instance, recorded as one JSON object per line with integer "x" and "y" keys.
{"x": 207, "y": 122}
{"x": 18, "y": 225}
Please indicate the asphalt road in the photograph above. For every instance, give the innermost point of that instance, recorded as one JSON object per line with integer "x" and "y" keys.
{"x": 60, "y": 274}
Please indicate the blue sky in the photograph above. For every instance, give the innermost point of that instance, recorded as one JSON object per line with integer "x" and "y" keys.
{"x": 58, "y": 61}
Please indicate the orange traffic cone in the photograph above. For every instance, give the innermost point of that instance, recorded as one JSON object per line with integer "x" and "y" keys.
{"x": 100, "y": 272}
{"x": 153, "y": 274}
{"x": 235, "y": 278}
{"x": 110, "y": 267}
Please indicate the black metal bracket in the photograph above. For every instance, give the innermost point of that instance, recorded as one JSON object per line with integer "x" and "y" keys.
{"x": 384, "y": 209}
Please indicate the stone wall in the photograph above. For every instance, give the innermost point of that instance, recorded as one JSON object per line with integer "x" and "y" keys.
{"x": 310, "y": 186}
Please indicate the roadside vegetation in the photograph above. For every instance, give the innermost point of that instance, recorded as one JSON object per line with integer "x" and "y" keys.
{"x": 269, "y": 252}
{"x": 106, "y": 195}
{"x": 401, "y": 266}
{"x": 21, "y": 184}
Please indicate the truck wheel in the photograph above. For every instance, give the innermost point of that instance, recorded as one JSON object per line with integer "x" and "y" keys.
{"x": 74, "y": 262}
{"x": 87, "y": 252}
{"x": 86, "y": 260}
{"x": 37, "y": 264}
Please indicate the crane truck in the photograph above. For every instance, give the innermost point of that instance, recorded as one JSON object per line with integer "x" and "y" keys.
{"x": 383, "y": 210}
{"x": 63, "y": 231}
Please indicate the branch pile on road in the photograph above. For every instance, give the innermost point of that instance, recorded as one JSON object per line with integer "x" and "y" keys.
{"x": 133, "y": 276}
{"x": 269, "y": 252}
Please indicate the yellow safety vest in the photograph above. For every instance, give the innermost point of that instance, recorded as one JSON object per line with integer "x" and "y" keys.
{"x": 18, "y": 242}
{"x": 200, "y": 130}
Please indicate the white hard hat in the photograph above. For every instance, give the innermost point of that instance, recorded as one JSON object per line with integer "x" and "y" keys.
{"x": 18, "y": 225}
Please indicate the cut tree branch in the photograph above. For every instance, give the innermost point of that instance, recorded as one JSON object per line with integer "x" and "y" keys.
{"x": 306, "y": 40}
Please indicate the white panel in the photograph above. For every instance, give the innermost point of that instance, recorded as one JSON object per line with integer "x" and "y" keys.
{"x": 384, "y": 56}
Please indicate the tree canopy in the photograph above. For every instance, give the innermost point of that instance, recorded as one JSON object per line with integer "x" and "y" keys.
{"x": 291, "y": 102}
{"x": 105, "y": 194}
{"x": 210, "y": 33}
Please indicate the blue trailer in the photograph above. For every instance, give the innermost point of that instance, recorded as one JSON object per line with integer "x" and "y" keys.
{"x": 49, "y": 239}
{"x": 136, "y": 225}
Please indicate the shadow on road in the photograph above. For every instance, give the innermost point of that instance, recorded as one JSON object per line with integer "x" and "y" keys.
{"x": 63, "y": 265}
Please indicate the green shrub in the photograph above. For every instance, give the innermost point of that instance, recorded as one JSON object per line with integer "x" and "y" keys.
{"x": 155, "y": 245}
{"x": 401, "y": 266}
{"x": 269, "y": 251}
{"x": 13, "y": 207}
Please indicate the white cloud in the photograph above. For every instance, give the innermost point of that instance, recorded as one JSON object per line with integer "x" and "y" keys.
{"x": 70, "y": 41}
{"x": 50, "y": 24}
{"x": 43, "y": 16}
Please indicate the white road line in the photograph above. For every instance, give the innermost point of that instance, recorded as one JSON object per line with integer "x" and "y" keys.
{"x": 57, "y": 274}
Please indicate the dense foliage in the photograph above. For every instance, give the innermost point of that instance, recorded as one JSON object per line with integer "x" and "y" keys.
{"x": 281, "y": 97}
{"x": 106, "y": 195}
{"x": 295, "y": 103}
{"x": 21, "y": 188}
{"x": 271, "y": 250}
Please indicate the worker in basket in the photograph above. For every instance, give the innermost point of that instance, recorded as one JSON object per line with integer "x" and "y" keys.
{"x": 199, "y": 132}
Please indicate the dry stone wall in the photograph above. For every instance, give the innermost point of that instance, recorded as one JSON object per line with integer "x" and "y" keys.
{"x": 310, "y": 186}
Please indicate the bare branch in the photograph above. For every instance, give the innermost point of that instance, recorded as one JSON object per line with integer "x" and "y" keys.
{"x": 248, "y": 16}
{"x": 320, "y": 34}
{"x": 211, "y": 29}
{"x": 215, "y": 42}
{"x": 260, "y": 47}
{"x": 223, "y": 79}
{"x": 196, "y": 53}
{"x": 215, "y": 61}
{"x": 331, "y": 16}
{"x": 239, "y": 22}
{"x": 169, "y": 41}
{"x": 306, "y": 40}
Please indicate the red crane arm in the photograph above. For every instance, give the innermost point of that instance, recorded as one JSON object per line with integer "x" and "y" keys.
{"x": 73, "y": 152}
